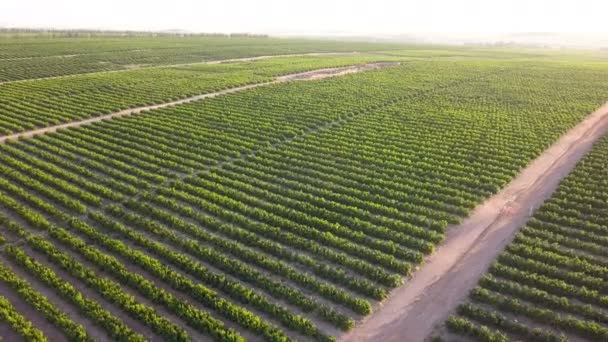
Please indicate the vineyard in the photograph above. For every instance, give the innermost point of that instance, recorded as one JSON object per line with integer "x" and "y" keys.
{"x": 550, "y": 282}
{"x": 33, "y": 104}
{"x": 288, "y": 211}
{"x": 35, "y": 57}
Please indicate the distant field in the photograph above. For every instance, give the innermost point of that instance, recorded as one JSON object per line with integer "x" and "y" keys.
{"x": 37, "y": 57}
{"x": 284, "y": 212}
{"x": 40, "y": 103}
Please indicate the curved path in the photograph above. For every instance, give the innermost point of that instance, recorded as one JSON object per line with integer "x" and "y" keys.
{"x": 445, "y": 279}
{"x": 308, "y": 75}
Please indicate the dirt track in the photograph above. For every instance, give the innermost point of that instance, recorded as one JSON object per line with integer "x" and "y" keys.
{"x": 447, "y": 276}
{"x": 302, "y": 76}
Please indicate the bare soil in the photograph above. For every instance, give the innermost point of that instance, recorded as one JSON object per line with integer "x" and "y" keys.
{"x": 425, "y": 301}
{"x": 309, "y": 75}
{"x": 332, "y": 72}
{"x": 251, "y": 59}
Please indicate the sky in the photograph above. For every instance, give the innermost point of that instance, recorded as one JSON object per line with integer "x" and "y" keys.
{"x": 352, "y": 17}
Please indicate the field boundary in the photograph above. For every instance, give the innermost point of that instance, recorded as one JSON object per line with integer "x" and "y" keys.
{"x": 445, "y": 279}
{"x": 307, "y": 75}
{"x": 217, "y": 61}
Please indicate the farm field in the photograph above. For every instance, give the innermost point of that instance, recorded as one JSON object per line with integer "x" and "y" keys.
{"x": 548, "y": 284}
{"x": 40, "y": 103}
{"x": 288, "y": 211}
{"x": 38, "y": 57}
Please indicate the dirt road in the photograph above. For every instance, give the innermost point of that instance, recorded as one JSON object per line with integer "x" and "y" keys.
{"x": 447, "y": 276}
{"x": 302, "y": 76}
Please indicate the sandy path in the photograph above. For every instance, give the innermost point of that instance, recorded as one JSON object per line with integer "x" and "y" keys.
{"x": 255, "y": 58}
{"x": 308, "y": 75}
{"x": 220, "y": 61}
{"x": 447, "y": 276}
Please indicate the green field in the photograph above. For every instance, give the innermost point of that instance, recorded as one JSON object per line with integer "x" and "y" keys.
{"x": 40, "y": 103}
{"x": 287, "y": 211}
{"x": 37, "y": 57}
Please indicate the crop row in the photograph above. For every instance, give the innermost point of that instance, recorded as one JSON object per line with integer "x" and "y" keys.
{"x": 19, "y": 323}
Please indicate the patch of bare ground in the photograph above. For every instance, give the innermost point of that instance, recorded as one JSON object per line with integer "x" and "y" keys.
{"x": 333, "y": 72}
{"x": 309, "y": 75}
{"x": 447, "y": 276}
{"x": 256, "y": 58}
{"x": 7, "y": 333}
{"x": 133, "y": 66}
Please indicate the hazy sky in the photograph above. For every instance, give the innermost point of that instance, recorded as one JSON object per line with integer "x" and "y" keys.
{"x": 313, "y": 16}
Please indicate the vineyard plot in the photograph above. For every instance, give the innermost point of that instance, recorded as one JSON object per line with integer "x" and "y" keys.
{"x": 33, "y": 104}
{"x": 39, "y": 57}
{"x": 279, "y": 213}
